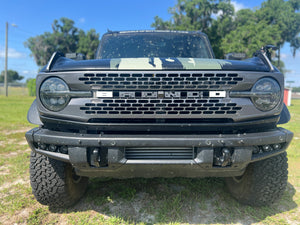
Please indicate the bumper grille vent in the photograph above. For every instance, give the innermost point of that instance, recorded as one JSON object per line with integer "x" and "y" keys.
{"x": 159, "y": 153}
{"x": 158, "y": 81}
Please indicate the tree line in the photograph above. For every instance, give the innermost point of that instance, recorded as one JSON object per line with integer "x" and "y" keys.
{"x": 276, "y": 22}
{"x": 66, "y": 38}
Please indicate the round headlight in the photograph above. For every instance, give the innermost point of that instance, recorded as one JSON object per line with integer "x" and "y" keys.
{"x": 267, "y": 94}
{"x": 54, "y": 94}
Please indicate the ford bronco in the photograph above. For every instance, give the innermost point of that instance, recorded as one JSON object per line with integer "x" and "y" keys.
{"x": 158, "y": 104}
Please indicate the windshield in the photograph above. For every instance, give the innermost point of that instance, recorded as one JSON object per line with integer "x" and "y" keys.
{"x": 153, "y": 44}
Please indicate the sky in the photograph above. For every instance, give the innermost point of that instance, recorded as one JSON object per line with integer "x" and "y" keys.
{"x": 34, "y": 17}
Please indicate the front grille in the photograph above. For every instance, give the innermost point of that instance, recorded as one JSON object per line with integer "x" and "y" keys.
{"x": 160, "y": 107}
{"x": 158, "y": 97}
{"x": 159, "y": 81}
{"x": 159, "y": 153}
{"x": 160, "y": 94}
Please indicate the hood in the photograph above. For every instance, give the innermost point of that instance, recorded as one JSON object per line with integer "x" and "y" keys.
{"x": 65, "y": 64}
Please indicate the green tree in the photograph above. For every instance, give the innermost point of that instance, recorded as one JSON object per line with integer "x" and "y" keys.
{"x": 296, "y": 89}
{"x": 295, "y": 45}
{"x": 88, "y": 43}
{"x": 66, "y": 38}
{"x": 221, "y": 26}
{"x": 41, "y": 48}
{"x": 201, "y": 15}
{"x": 30, "y": 83}
{"x": 286, "y": 15}
{"x": 276, "y": 22}
{"x": 189, "y": 15}
{"x": 12, "y": 76}
{"x": 250, "y": 37}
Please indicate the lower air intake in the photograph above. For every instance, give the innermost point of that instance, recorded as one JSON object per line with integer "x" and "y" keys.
{"x": 159, "y": 153}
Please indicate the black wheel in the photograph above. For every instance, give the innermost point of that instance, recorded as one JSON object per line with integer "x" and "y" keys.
{"x": 54, "y": 183}
{"x": 262, "y": 183}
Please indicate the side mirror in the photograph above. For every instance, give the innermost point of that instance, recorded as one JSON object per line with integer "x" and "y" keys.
{"x": 265, "y": 54}
{"x": 267, "y": 47}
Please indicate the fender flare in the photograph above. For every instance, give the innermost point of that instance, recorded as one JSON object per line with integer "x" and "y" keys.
{"x": 284, "y": 115}
{"x": 33, "y": 115}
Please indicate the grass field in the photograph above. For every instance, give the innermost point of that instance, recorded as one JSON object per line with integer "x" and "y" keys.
{"x": 132, "y": 201}
{"x": 15, "y": 91}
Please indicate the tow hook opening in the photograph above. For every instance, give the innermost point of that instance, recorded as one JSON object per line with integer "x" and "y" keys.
{"x": 98, "y": 157}
{"x": 222, "y": 157}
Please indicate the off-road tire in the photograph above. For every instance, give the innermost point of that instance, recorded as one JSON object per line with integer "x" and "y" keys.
{"x": 54, "y": 183}
{"x": 262, "y": 183}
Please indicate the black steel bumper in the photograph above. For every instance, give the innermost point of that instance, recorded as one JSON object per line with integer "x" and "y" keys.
{"x": 106, "y": 155}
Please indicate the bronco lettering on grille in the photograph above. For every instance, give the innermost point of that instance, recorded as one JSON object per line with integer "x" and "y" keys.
{"x": 160, "y": 94}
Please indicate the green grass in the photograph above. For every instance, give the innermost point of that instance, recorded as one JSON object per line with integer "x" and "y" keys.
{"x": 37, "y": 216}
{"x": 133, "y": 201}
{"x": 13, "y": 114}
{"x": 15, "y": 91}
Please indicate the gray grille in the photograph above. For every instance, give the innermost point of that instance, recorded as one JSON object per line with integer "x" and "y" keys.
{"x": 160, "y": 106}
{"x": 157, "y": 81}
{"x": 159, "y": 153}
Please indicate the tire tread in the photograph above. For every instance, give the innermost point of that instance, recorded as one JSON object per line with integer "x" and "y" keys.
{"x": 263, "y": 182}
{"x": 49, "y": 182}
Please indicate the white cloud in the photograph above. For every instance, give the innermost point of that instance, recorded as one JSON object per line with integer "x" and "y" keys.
{"x": 25, "y": 72}
{"x": 292, "y": 72}
{"x": 289, "y": 56}
{"x": 81, "y": 20}
{"x": 12, "y": 53}
{"x": 238, "y": 6}
{"x": 28, "y": 73}
{"x": 284, "y": 56}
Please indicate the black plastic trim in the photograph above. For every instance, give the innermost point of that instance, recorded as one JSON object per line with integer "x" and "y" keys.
{"x": 154, "y": 126}
{"x": 120, "y": 167}
{"x": 33, "y": 114}
{"x": 55, "y": 56}
{"x": 284, "y": 115}
{"x": 277, "y": 135}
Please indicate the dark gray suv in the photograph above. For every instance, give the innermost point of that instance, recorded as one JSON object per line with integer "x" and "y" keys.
{"x": 157, "y": 104}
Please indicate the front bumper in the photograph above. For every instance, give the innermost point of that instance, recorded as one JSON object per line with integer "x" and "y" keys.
{"x": 199, "y": 155}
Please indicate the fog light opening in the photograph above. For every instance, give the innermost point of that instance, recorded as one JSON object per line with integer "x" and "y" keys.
{"x": 42, "y": 146}
{"x": 277, "y": 146}
{"x": 256, "y": 150}
{"x": 63, "y": 149}
{"x": 52, "y": 148}
{"x": 267, "y": 148}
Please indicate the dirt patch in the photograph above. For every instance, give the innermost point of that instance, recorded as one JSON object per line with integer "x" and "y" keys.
{"x": 24, "y": 142}
{"x": 7, "y": 185}
{"x": 135, "y": 209}
{"x": 9, "y": 140}
{"x": 21, "y": 130}
{"x": 12, "y": 154}
{"x": 19, "y": 216}
{"x": 4, "y": 170}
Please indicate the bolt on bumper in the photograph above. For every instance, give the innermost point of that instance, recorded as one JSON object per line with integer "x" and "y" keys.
{"x": 212, "y": 155}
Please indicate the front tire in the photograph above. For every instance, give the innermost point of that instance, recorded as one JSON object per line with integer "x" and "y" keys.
{"x": 262, "y": 183}
{"x": 54, "y": 183}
